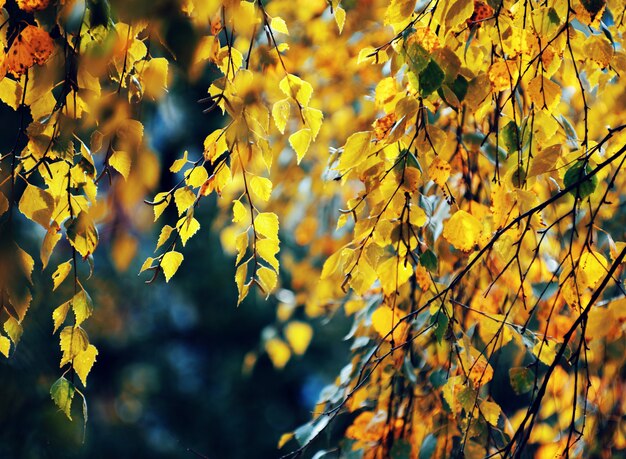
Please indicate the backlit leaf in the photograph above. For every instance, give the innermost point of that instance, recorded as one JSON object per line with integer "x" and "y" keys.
{"x": 187, "y": 227}
{"x": 83, "y": 362}
{"x": 462, "y": 230}
{"x": 73, "y": 341}
{"x": 261, "y": 187}
{"x": 300, "y": 142}
{"x": 170, "y": 263}
{"x": 266, "y": 224}
{"x": 62, "y": 392}
{"x": 61, "y": 273}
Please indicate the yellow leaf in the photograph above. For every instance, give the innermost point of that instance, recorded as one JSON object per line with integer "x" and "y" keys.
{"x": 5, "y": 345}
{"x": 240, "y": 278}
{"x": 25, "y": 261}
{"x": 418, "y": 216}
{"x": 462, "y": 230}
{"x": 298, "y": 336}
{"x": 300, "y": 142}
{"x": 544, "y": 92}
{"x": 478, "y": 369}
{"x": 280, "y": 113}
{"x": 170, "y": 263}
{"x": 314, "y": 118}
{"x": 196, "y": 177}
{"x": 284, "y": 438}
{"x": 74, "y": 340}
{"x": 4, "y": 203}
{"x": 398, "y": 11}
{"x": 83, "y": 362}
{"x": 267, "y": 279}
{"x": 37, "y": 205}
{"x": 491, "y": 411}
{"x": 61, "y": 273}
{"x": 239, "y": 211}
{"x": 439, "y": 171}
{"x": 82, "y": 234}
{"x": 331, "y": 264}
{"x": 355, "y": 151}
{"x": 178, "y": 164}
{"x": 458, "y": 14}
{"x": 120, "y": 161}
{"x": 267, "y": 249}
{"x": 384, "y": 320}
{"x": 297, "y": 88}
{"x": 82, "y": 306}
{"x": 184, "y": 199}
{"x": 266, "y": 224}
{"x": 545, "y": 351}
{"x": 412, "y": 178}
{"x": 594, "y": 267}
{"x": 371, "y": 56}
{"x": 14, "y": 329}
{"x": 187, "y": 227}
{"x": 215, "y": 145}
{"x": 261, "y": 187}
{"x": 340, "y": 18}
{"x": 165, "y": 234}
{"x": 50, "y": 240}
{"x": 231, "y": 60}
{"x": 241, "y": 244}
{"x": 147, "y": 264}
{"x": 502, "y": 75}
{"x": 278, "y": 352}
{"x": 393, "y": 273}
{"x": 59, "y": 315}
{"x": 279, "y": 25}
{"x": 162, "y": 200}
{"x": 154, "y": 77}
{"x": 10, "y": 90}
{"x": 545, "y": 160}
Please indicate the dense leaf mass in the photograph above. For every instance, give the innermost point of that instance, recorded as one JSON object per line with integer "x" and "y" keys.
{"x": 447, "y": 174}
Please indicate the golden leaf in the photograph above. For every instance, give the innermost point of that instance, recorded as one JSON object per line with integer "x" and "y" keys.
{"x": 170, "y": 263}
{"x": 300, "y": 142}
{"x": 83, "y": 362}
{"x": 462, "y": 230}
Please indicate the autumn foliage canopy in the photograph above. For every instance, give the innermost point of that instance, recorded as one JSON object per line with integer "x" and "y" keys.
{"x": 448, "y": 174}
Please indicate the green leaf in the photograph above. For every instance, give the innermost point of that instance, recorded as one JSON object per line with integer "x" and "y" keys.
{"x": 428, "y": 260}
{"x": 467, "y": 398}
{"x": 417, "y": 58}
{"x": 459, "y": 87}
{"x": 522, "y": 379}
{"x": 431, "y": 78}
{"x": 62, "y": 392}
{"x": 442, "y": 325}
{"x": 576, "y": 174}
{"x": 510, "y": 137}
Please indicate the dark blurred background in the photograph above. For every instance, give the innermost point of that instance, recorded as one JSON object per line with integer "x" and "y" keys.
{"x": 168, "y": 381}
